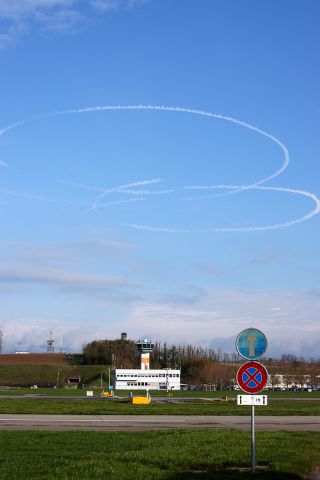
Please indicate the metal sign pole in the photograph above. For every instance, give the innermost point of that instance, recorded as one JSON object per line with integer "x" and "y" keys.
{"x": 252, "y": 440}
{"x": 252, "y": 377}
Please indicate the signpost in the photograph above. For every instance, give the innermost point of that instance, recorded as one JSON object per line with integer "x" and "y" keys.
{"x": 251, "y": 343}
{"x": 252, "y": 377}
{"x": 252, "y": 400}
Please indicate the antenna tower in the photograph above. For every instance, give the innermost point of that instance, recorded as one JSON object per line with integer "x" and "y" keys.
{"x": 50, "y": 344}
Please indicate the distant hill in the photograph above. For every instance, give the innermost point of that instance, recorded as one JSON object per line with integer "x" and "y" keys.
{"x": 35, "y": 359}
{"x": 49, "y": 369}
{"x": 45, "y": 375}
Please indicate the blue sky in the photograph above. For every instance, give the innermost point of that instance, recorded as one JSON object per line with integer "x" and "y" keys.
{"x": 111, "y": 217}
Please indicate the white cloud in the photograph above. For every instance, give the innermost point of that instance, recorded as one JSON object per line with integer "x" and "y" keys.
{"x": 105, "y": 4}
{"x": 18, "y": 16}
{"x": 70, "y": 255}
{"x": 208, "y": 267}
{"x": 214, "y": 321}
{"x": 15, "y": 8}
{"x": 62, "y": 16}
{"x": 68, "y": 281}
{"x": 30, "y": 334}
{"x": 63, "y": 21}
{"x": 221, "y": 314}
{"x": 116, "y": 4}
{"x": 2, "y": 163}
{"x": 136, "y": 3}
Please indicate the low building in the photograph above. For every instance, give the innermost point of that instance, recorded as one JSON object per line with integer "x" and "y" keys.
{"x": 138, "y": 379}
{"x": 284, "y": 382}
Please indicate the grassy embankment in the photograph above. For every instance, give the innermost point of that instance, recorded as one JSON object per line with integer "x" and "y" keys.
{"x": 170, "y": 455}
{"x": 52, "y": 374}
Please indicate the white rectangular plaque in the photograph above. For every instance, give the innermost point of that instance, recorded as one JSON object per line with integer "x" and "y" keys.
{"x": 256, "y": 400}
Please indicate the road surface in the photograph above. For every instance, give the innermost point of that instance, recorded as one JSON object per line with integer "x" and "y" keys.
{"x": 113, "y": 423}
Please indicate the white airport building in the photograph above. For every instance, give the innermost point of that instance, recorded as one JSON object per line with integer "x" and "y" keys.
{"x": 137, "y": 379}
{"x": 144, "y": 378}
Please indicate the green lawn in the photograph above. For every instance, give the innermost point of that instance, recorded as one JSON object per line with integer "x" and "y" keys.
{"x": 190, "y": 407}
{"x": 47, "y": 391}
{"x": 170, "y": 455}
{"x": 52, "y": 374}
{"x": 155, "y": 393}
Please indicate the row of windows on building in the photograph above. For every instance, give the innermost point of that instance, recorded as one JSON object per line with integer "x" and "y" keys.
{"x": 142, "y": 384}
{"x": 175, "y": 375}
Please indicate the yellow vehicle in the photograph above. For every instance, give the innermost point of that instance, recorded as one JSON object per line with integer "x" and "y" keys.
{"x": 139, "y": 400}
{"x": 106, "y": 394}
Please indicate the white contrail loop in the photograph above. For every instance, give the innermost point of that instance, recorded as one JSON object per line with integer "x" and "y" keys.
{"x": 164, "y": 108}
{"x": 119, "y": 189}
{"x": 112, "y": 204}
{"x": 82, "y": 186}
{"x": 42, "y": 198}
{"x": 145, "y": 192}
{"x": 12, "y": 126}
{"x": 276, "y": 226}
{"x": 204, "y": 113}
{"x": 195, "y": 111}
{"x": 230, "y": 188}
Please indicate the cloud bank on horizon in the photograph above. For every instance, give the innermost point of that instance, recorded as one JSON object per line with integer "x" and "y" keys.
{"x": 212, "y": 318}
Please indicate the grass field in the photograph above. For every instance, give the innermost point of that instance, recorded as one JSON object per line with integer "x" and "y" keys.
{"x": 51, "y": 374}
{"x": 121, "y": 407}
{"x": 170, "y": 455}
{"x": 92, "y": 371}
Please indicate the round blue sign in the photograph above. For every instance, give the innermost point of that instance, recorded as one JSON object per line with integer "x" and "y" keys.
{"x": 251, "y": 343}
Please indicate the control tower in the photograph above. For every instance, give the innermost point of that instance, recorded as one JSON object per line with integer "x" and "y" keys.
{"x": 145, "y": 347}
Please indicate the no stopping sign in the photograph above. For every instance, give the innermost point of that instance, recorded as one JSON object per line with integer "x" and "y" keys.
{"x": 252, "y": 377}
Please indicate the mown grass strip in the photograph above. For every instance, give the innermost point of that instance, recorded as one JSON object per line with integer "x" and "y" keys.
{"x": 81, "y": 392}
{"x": 170, "y": 455}
{"x": 112, "y": 407}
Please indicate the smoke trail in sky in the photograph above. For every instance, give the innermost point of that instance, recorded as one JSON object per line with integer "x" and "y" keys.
{"x": 121, "y": 187}
{"x": 230, "y": 189}
{"x": 146, "y": 192}
{"x": 112, "y": 204}
{"x": 82, "y": 186}
{"x": 12, "y": 126}
{"x": 194, "y": 111}
{"x": 276, "y": 226}
{"x": 42, "y": 198}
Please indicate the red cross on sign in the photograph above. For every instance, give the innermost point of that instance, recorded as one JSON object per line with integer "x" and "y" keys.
{"x": 252, "y": 377}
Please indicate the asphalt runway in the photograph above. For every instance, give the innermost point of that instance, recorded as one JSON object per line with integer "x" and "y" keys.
{"x": 118, "y": 423}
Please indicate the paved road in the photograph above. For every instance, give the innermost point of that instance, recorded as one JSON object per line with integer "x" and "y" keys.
{"x": 114, "y": 423}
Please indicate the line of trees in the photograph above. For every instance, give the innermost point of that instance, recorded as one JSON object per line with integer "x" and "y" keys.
{"x": 120, "y": 353}
{"x": 124, "y": 354}
{"x": 199, "y": 365}
{"x": 294, "y": 370}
